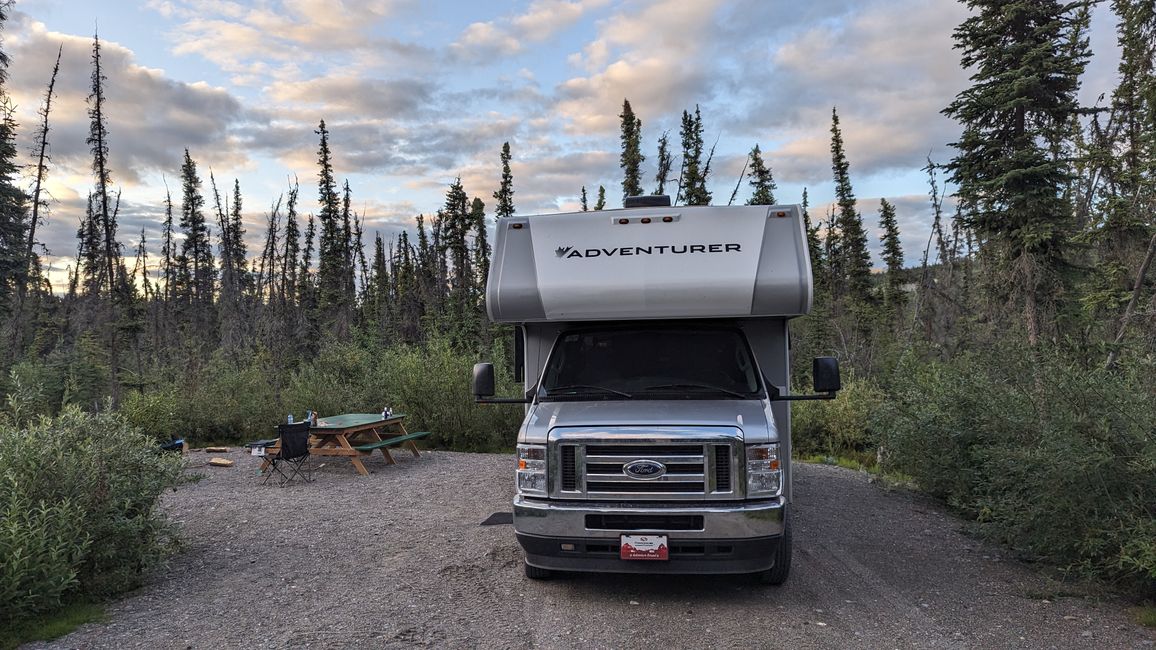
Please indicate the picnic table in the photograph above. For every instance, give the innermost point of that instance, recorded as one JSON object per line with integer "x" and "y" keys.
{"x": 354, "y": 435}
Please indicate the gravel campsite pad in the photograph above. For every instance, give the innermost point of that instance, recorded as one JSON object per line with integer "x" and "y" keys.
{"x": 398, "y": 559}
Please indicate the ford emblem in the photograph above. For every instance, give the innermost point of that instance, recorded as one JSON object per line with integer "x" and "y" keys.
{"x": 644, "y": 470}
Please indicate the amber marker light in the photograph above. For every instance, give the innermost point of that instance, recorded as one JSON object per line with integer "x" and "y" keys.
{"x": 624, "y": 221}
{"x": 780, "y": 214}
{"x": 521, "y": 463}
{"x": 516, "y": 226}
{"x": 646, "y": 220}
{"x": 667, "y": 219}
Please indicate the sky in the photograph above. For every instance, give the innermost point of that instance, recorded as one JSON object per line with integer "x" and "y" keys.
{"x": 416, "y": 93}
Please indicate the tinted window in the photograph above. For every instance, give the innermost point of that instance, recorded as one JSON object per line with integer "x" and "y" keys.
{"x": 656, "y": 363}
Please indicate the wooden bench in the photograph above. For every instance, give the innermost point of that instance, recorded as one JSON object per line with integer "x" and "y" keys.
{"x": 384, "y": 445}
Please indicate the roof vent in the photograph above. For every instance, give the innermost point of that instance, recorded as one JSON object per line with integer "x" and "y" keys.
{"x": 647, "y": 201}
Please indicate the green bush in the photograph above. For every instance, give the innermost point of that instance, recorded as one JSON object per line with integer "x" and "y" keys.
{"x": 79, "y": 503}
{"x": 431, "y": 383}
{"x": 228, "y": 401}
{"x": 838, "y": 427}
{"x": 42, "y": 545}
{"x": 1053, "y": 459}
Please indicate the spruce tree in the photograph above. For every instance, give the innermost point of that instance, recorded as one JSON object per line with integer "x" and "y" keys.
{"x": 762, "y": 181}
{"x": 103, "y": 212}
{"x": 332, "y": 247}
{"x": 195, "y": 262}
{"x": 664, "y": 163}
{"x": 692, "y": 182}
{"x": 505, "y": 193}
{"x": 289, "y": 268}
{"x": 1010, "y": 180}
{"x": 481, "y": 254}
{"x": 13, "y": 200}
{"x": 585, "y": 206}
{"x": 601, "y": 202}
{"x": 631, "y": 158}
{"x": 854, "y": 263}
{"x": 892, "y": 249}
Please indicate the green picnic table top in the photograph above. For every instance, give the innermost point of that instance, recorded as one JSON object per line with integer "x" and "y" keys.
{"x": 351, "y": 420}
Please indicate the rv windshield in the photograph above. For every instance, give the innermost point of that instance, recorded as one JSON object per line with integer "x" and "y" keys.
{"x": 651, "y": 363}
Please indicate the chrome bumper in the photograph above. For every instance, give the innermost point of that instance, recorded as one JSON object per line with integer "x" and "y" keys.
{"x": 736, "y": 521}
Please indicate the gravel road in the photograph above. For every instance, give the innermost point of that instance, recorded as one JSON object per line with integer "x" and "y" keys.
{"x": 398, "y": 559}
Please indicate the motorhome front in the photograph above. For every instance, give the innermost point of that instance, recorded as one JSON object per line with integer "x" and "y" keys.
{"x": 654, "y": 350}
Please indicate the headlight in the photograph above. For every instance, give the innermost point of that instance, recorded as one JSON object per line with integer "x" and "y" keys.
{"x": 531, "y": 471}
{"x": 764, "y": 471}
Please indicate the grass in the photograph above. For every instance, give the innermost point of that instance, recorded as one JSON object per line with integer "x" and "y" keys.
{"x": 841, "y": 461}
{"x": 50, "y": 626}
{"x": 1146, "y": 615}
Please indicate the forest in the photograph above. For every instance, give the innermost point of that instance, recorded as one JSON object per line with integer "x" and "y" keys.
{"x": 1006, "y": 368}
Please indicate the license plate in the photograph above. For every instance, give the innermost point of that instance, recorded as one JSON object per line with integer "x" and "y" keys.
{"x": 644, "y": 547}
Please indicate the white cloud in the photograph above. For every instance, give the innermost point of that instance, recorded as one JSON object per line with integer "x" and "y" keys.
{"x": 481, "y": 41}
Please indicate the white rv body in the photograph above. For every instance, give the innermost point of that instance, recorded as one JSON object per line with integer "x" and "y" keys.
{"x": 727, "y": 277}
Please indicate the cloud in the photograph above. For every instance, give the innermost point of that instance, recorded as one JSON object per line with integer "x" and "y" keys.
{"x": 647, "y": 56}
{"x": 150, "y": 118}
{"x": 481, "y": 41}
{"x": 277, "y": 40}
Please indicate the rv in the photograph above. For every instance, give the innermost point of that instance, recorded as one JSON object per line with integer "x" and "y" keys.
{"x": 653, "y": 345}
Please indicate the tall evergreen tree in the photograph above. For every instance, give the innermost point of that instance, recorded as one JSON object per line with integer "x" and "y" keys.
{"x": 892, "y": 249}
{"x": 664, "y": 163}
{"x": 196, "y": 273}
{"x": 505, "y": 193}
{"x": 288, "y": 281}
{"x": 692, "y": 182}
{"x": 106, "y": 216}
{"x": 762, "y": 181}
{"x": 601, "y": 202}
{"x": 481, "y": 255}
{"x": 854, "y": 261}
{"x": 1010, "y": 182}
{"x": 585, "y": 205}
{"x": 306, "y": 287}
{"x": 631, "y": 158}
{"x": 13, "y": 200}
{"x": 332, "y": 248}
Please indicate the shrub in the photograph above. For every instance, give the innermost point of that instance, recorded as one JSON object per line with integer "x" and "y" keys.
{"x": 431, "y": 383}
{"x": 1053, "y": 459}
{"x": 228, "y": 401}
{"x": 838, "y": 427}
{"x": 80, "y": 495}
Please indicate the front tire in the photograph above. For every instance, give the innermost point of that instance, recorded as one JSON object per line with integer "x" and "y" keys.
{"x": 536, "y": 573}
{"x": 778, "y": 574}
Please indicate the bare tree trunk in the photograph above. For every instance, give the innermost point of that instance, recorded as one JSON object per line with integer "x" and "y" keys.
{"x": 1114, "y": 355}
{"x": 739, "y": 184}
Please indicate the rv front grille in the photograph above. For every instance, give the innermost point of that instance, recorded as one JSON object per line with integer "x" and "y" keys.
{"x": 601, "y": 470}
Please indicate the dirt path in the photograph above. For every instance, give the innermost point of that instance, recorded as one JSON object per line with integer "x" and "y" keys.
{"x": 397, "y": 559}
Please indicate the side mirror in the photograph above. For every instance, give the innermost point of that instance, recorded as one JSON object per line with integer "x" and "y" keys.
{"x": 483, "y": 380}
{"x": 826, "y": 373}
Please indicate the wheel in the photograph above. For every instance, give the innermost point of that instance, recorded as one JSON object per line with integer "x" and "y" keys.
{"x": 537, "y": 573}
{"x": 778, "y": 574}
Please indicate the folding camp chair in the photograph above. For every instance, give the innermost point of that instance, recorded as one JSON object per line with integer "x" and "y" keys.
{"x": 291, "y": 458}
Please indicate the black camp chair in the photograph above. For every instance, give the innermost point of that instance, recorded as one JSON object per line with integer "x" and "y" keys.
{"x": 291, "y": 459}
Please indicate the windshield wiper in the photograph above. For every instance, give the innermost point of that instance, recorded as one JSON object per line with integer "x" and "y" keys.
{"x": 550, "y": 391}
{"x": 718, "y": 389}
